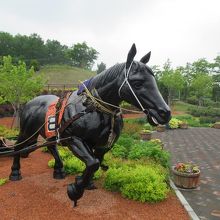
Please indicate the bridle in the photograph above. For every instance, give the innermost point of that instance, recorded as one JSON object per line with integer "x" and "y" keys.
{"x": 126, "y": 73}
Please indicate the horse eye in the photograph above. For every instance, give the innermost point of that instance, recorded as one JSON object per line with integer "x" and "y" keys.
{"x": 137, "y": 85}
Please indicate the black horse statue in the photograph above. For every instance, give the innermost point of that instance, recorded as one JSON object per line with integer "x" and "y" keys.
{"x": 97, "y": 128}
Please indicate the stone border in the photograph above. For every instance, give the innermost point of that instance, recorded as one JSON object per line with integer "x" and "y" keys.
{"x": 183, "y": 201}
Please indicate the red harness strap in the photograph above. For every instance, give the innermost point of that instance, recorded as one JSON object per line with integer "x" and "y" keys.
{"x": 51, "y": 123}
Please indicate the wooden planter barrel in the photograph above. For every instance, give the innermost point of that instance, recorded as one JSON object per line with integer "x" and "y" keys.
{"x": 161, "y": 128}
{"x": 216, "y": 125}
{"x": 186, "y": 180}
{"x": 183, "y": 126}
{"x": 145, "y": 136}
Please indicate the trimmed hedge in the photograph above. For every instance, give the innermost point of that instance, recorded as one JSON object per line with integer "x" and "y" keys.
{"x": 127, "y": 148}
{"x": 145, "y": 183}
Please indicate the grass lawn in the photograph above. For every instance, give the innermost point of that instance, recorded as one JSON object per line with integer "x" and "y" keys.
{"x": 180, "y": 106}
{"x": 65, "y": 74}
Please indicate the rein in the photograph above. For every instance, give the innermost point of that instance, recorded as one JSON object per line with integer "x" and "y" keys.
{"x": 97, "y": 103}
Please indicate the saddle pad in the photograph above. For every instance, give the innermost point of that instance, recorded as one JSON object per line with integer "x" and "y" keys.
{"x": 50, "y": 120}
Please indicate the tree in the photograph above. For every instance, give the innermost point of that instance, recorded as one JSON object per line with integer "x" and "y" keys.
{"x": 100, "y": 67}
{"x": 56, "y": 53}
{"x": 216, "y": 88}
{"x": 202, "y": 86}
{"x": 172, "y": 80}
{"x": 17, "y": 84}
{"x": 82, "y": 55}
{"x": 6, "y": 44}
{"x": 201, "y": 66}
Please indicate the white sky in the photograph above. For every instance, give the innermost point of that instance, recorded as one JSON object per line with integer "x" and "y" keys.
{"x": 182, "y": 30}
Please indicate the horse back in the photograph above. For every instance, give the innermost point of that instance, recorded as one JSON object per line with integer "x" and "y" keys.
{"x": 33, "y": 113}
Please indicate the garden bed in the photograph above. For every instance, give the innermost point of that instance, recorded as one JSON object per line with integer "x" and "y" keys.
{"x": 39, "y": 196}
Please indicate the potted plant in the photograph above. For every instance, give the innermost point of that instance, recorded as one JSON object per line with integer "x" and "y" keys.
{"x": 183, "y": 125}
{"x": 161, "y": 128}
{"x": 186, "y": 175}
{"x": 146, "y": 134}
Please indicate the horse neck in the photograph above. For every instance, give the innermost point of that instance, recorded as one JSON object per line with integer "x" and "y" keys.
{"x": 107, "y": 84}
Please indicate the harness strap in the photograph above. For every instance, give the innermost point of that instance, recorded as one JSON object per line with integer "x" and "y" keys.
{"x": 126, "y": 81}
{"x": 71, "y": 120}
{"x": 106, "y": 110}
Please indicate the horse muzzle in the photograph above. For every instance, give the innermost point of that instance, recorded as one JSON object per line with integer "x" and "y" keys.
{"x": 156, "y": 117}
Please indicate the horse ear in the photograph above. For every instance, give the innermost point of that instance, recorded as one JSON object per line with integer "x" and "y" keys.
{"x": 145, "y": 58}
{"x": 131, "y": 55}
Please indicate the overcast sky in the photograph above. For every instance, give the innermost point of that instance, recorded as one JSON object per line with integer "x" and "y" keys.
{"x": 181, "y": 30}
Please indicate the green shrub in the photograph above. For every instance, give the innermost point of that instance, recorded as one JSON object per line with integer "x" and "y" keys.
{"x": 150, "y": 150}
{"x": 174, "y": 123}
{"x": 204, "y": 111}
{"x": 3, "y": 181}
{"x": 120, "y": 151}
{"x": 206, "y": 119}
{"x": 72, "y": 165}
{"x": 125, "y": 140}
{"x": 131, "y": 129}
{"x": 45, "y": 150}
{"x": 8, "y": 133}
{"x": 189, "y": 119}
{"x": 144, "y": 183}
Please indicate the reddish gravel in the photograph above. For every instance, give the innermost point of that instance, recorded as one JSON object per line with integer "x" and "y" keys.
{"x": 39, "y": 196}
{"x": 6, "y": 121}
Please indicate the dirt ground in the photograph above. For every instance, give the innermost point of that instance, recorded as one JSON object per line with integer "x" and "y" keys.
{"x": 39, "y": 196}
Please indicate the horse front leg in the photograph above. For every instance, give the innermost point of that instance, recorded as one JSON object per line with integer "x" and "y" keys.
{"x": 99, "y": 154}
{"x": 58, "y": 172}
{"x": 81, "y": 150}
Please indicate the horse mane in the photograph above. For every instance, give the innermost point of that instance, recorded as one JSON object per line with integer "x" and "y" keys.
{"x": 108, "y": 75}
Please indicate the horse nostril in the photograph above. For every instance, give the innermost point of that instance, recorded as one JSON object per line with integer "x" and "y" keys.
{"x": 164, "y": 113}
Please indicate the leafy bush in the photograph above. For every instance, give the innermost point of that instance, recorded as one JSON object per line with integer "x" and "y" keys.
{"x": 189, "y": 119}
{"x": 206, "y": 119}
{"x": 44, "y": 149}
{"x": 150, "y": 150}
{"x": 72, "y": 165}
{"x": 204, "y": 111}
{"x": 125, "y": 140}
{"x": 3, "y": 181}
{"x": 120, "y": 151}
{"x": 192, "y": 100}
{"x": 8, "y": 133}
{"x": 174, "y": 123}
{"x": 131, "y": 129}
{"x": 145, "y": 183}
{"x": 122, "y": 146}
{"x": 140, "y": 121}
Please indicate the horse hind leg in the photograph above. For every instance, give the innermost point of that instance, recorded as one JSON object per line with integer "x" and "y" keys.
{"x": 15, "y": 174}
{"x": 59, "y": 172}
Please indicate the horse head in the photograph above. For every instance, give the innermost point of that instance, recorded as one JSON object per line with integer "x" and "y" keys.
{"x": 138, "y": 87}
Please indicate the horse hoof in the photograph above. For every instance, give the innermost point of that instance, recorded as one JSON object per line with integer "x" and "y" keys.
{"x": 74, "y": 192}
{"x": 59, "y": 174}
{"x": 89, "y": 186}
{"x": 15, "y": 176}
